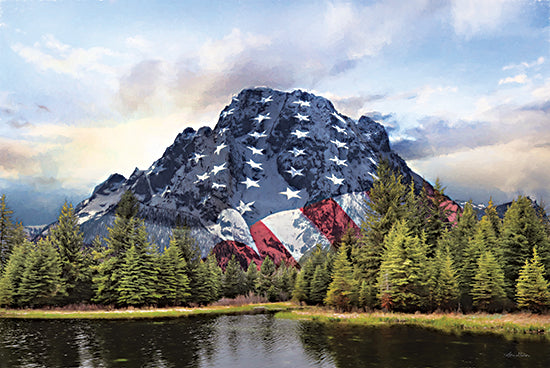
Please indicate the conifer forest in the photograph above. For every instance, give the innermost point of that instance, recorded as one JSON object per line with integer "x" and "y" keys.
{"x": 407, "y": 257}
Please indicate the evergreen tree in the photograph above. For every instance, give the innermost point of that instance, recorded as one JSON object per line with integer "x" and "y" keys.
{"x": 11, "y": 279}
{"x": 483, "y": 240}
{"x": 340, "y": 291}
{"x": 459, "y": 236}
{"x": 385, "y": 208}
{"x": 403, "y": 277}
{"x": 181, "y": 237}
{"x": 532, "y": 289}
{"x": 208, "y": 281}
{"x": 41, "y": 283}
{"x": 488, "y": 284}
{"x": 67, "y": 238}
{"x": 265, "y": 278}
{"x": 251, "y": 277}
{"x": 319, "y": 285}
{"x": 443, "y": 282}
{"x": 417, "y": 210}
{"x": 233, "y": 279}
{"x": 6, "y": 233}
{"x": 522, "y": 229}
{"x": 493, "y": 217}
{"x": 132, "y": 289}
{"x": 437, "y": 222}
{"x": 173, "y": 283}
{"x": 300, "y": 292}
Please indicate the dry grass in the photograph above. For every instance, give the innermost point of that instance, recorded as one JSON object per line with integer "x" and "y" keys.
{"x": 512, "y": 325}
{"x": 137, "y": 313}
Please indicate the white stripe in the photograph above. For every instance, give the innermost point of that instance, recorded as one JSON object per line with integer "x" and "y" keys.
{"x": 353, "y": 205}
{"x": 295, "y": 231}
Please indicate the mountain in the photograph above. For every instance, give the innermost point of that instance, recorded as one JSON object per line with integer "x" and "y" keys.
{"x": 279, "y": 173}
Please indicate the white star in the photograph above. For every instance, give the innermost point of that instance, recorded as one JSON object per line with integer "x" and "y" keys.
{"x": 297, "y": 152}
{"x": 255, "y": 151}
{"x": 338, "y": 161}
{"x": 235, "y": 98}
{"x": 250, "y": 183}
{"x": 335, "y": 180}
{"x": 302, "y": 103}
{"x": 299, "y": 133}
{"x": 218, "y": 168}
{"x": 261, "y": 118}
{"x": 222, "y": 131}
{"x": 217, "y": 186}
{"x": 339, "y": 144}
{"x": 339, "y": 117}
{"x": 228, "y": 112}
{"x": 202, "y": 177}
{"x": 254, "y": 165}
{"x": 196, "y": 157}
{"x": 293, "y": 172}
{"x": 340, "y": 130}
{"x": 265, "y": 100}
{"x": 245, "y": 207}
{"x": 290, "y": 193}
{"x": 219, "y": 148}
{"x": 301, "y": 117}
{"x": 258, "y": 135}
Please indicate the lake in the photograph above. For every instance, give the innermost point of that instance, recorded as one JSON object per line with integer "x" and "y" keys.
{"x": 252, "y": 341}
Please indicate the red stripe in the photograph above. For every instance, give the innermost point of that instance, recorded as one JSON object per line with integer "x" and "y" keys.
{"x": 268, "y": 244}
{"x": 330, "y": 219}
{"x": 242, "y": 252}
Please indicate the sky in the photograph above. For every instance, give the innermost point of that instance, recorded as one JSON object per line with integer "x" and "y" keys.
{"x": 89, "y": 88}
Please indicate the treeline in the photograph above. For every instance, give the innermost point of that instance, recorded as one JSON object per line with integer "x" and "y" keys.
{"x": 124, "y": 269}
{"x": 408, "y": 257}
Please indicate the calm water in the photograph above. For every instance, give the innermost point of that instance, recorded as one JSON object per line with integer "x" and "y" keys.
{"x": 251, "y": 341}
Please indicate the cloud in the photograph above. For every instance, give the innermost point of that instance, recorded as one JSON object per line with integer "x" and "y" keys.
{"x": 524, "y": 64}
{"x": 520, "y": 78}
{"x": 473, "y": 17}
{"x": 51, "y": 54}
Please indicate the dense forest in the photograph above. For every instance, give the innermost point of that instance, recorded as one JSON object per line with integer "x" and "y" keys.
{"x": 407, "y": 257}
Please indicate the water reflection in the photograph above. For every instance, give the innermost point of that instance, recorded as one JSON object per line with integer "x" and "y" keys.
{"x": 251, "y": 341}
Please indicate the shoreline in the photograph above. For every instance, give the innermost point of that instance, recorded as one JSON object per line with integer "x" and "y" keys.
{"x": 511, "y": 325}
{"x": 145, "y": 313}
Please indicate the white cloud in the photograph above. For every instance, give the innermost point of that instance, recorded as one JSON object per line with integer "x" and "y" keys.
{"x": 52, "y": 54}
{"x": 473, "y": 17}
{"x": 524, "y": 64}
{"x": 520, "y": 78}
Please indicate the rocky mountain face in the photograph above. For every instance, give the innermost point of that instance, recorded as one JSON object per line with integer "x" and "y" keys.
{"x": 279, "y": 173}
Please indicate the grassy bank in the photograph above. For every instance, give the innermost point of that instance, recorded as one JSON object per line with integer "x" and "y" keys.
{"x": 510, "y": 325}
{"x": 134, "y": 313}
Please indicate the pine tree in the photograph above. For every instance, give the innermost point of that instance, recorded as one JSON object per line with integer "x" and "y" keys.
{"x": 403, "y": 278}
{"x": 522, "y": 229}
{"x": 385, "y": 208}
{"x": 340, "y": 290}
{"x": 6, "y": 233}
{"x": 459, "y": 236}
{"x": 251, "y": 277}
{"x": 41, "y": 283}
{"x": 13, "y": 275}
{"x": 265, "y": 278}
{"x": 493, "y": 217}
{"x": 319, "y": 285}
{"x": 300, "y": 292}
{"x": 488, "y": 284}
{"x": 67, "y": 238}
{"x": 131, "y": 290}
{"x": 181, "y": 237}
{"x": 532, "y": 289}
{"x": 437, "y": 222}
{"x": 443, "y": 282}
{"x": 173, "y": 283}
{"x": 233, "y": 279}
{"x": 208, "y": 287}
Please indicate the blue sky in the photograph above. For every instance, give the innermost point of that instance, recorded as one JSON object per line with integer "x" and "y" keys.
{"x": 89, "y": 88}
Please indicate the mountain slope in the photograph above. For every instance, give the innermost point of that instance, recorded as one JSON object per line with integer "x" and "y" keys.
{"x": 272, "y": 157}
